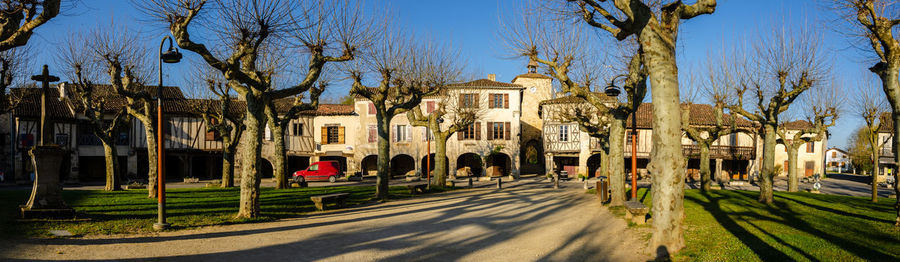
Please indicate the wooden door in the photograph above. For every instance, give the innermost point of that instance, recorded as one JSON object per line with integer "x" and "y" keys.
{"x": 810, "y": 167}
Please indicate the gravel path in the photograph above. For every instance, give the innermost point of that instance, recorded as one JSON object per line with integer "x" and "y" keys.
{"x": 525, "y": 221}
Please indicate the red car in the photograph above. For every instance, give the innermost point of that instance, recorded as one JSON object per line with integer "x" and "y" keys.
{"x": 319, "y": 171}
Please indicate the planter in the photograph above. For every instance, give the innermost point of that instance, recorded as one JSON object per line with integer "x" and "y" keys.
{"x": 191, "y": 180}
{"x": 412, "y": 178}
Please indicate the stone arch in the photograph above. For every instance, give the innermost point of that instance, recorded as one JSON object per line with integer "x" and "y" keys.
{"x": 266, "y": 169}
{"x": 369, "y": 165}
{"x": 499, "y": 164}
{"x": 471, "y": 161}
{"x": 593, "y": 166}
{"x": 424, "y": 163}
{"x": 402, "y": 164}
{"x": 532, "y": 157}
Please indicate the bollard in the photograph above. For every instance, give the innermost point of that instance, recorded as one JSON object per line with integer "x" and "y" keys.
{"x": 470, "y": 182}
{"x": 603, "y": 190}
{"x": 556, "y": 181}
{"x": 499, "y": 182}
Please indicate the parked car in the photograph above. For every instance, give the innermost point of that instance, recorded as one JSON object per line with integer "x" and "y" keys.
{"x": 319, "y": 171}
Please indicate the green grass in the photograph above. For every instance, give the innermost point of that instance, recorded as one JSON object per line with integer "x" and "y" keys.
{"x": 100, "y": 212}
{"x": 725, "y": 225}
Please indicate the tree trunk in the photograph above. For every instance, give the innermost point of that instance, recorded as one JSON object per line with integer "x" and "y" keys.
{"x": 112, "y": 164}
{"x": 705, "y": 179}
{"x": 440, "y": 159}
{"x": 667, "y": 160}
{"x": 251, "y": 158}
{"x": 891, "y": 85}
{"x": 793, "y": 178}
{"x": 279, "y": 166}
{"x": 875, "y": 170}
{"x": 616, "y": 164}
{"x": 152, "y": 150}
{"x": 227, "y": 162}
{"x": 768, "y": 165}
{"x": 604, "y": 161}
{"x": 384, "y": 155}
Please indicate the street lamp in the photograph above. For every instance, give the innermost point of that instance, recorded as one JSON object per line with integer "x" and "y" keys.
{"x": 613, "y": 91}
{"x": 169, "y": 56}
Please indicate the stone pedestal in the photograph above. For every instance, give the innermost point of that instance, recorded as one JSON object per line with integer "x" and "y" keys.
{"x": 46, "y": 195}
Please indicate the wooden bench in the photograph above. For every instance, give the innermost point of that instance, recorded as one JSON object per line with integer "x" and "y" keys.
{"x": 321, "y": 200}
{"x": 415, "y": 188}
{"x": 637, "y": 212}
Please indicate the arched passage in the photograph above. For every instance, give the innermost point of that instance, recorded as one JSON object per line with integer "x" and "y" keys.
{"x": 342, "y": 161}
{"x": 402, "y": 164}
{"x": 265, "y": 168}
{"x": 424, "y": 163}
{"x": 499, "y": 164}
{"x": 469, "y": 164}
{"x": 532, "y": 157}
{"x": 369, "y": 165}
{"x": 297, "y": 163}
{"x": 593, "y": 166}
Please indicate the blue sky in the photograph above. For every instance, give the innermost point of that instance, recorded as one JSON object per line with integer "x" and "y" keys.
{"x": 472, "y": 26}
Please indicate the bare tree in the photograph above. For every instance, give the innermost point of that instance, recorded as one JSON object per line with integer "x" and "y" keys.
{"x": 566, "y": 54}
{"x": 706, "y": 135}
{"x": 19, "y": 19}
{"x": 241, "y": 33}
{"x": 104, "y": 117}
{"x": 780, "y": 69}
{"x": 277, "y": 121}
{"x": 223, "y": 116}
{"x": 406, "y": 72}
{"x": 873, "y": 22}
{"x": 871, "y": 106}
{"x": 125, "y": 63}
{"x": 654, "y": 24}
{"x": 822, "y": 114}
{"x": 13, "y": 69}
{"x": 448, "y": 117}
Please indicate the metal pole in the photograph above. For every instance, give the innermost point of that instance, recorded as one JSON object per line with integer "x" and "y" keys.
{"x": 634, "y": 154}
{"x": 428, "y": 159}
{"x": 160, "y": 145}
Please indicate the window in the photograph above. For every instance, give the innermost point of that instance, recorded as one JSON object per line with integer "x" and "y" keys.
{"x": 268, "y": 134}
{"x": 471, "y": 132}
{"x": 564, "y": 133}
{"x": 297, "y": 129}
{"x": 834, "y": 154}
{"x": 429, "y": 107}
{"x": 373, "y": 133}
{"x": 628, "y": 136}
{"x": 810, "y": 147}
{"x": 371, "y": 108}
{"x": 401, "y": 133}
{"x": 734, "y": 139}
{"x": 468, "y": 100}
{"x": 314, "y": 167}
{"x": 213, "y": 135}
{"x": 332, "y": 134}
{"x": 498, "y": 101}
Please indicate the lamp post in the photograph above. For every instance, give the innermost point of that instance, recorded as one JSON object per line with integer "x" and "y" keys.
{"x": 613, "y": 91}
{"x": 170, "y": 56}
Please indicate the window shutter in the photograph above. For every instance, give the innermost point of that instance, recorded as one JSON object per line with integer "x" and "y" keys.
{"x": 490, "y": 103}
{"x": 506, "y": 102}
{"x": 371, "y": 108}
{"x": 211, "y": 135}
{"x": 477, "y": 130}
{"x": 476, "y": 100}
{"x": 459, "y": 134}
{"x": 372, "y": 132}
{"x": 506, "y": 130}
{"x": 340, "y": 135}
{"x": 324, "y": 135}
{"x": 394, "y": 134}
{"x": 490, "y": 130}
{"x": 429, "y": 106}
{"x": 462, "y": 100}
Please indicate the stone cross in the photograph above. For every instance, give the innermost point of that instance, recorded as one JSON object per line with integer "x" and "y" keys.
{"x": 45, "y": 78}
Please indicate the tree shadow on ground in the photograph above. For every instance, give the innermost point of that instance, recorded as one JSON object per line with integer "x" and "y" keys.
{"x": 407, "y": 231}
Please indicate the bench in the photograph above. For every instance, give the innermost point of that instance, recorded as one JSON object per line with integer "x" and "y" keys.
{"x": 321, "y": 200}
{"x": 637, "y": 212}
{"x": 417, "y": 187}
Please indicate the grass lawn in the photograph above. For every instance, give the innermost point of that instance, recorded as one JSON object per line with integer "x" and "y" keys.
{"x": 725, "y": 225}
{"x": 100, "y": 212}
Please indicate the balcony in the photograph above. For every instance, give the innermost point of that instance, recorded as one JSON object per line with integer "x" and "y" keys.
{"x": 721, "y": 152}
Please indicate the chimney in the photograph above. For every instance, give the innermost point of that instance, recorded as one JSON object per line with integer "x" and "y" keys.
{"x": 62, "y": 90}
{"x": 492, "y": 77}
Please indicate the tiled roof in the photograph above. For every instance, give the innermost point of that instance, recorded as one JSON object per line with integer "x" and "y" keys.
{"x": 795, "y": 125}
{"x": 532, "y": 75}
{"x": 485, "y": 83}
{"x": 701, "y": 114}
{"x": 30, "y": 104}
{"x": 574, "y": 99}
{"x": 332, "y": 110}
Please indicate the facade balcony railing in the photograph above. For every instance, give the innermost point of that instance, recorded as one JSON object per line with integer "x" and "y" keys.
{"x": 721, "y": 152}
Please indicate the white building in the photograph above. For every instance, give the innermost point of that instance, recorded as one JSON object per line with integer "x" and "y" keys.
{"x": 837, "y": 160}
